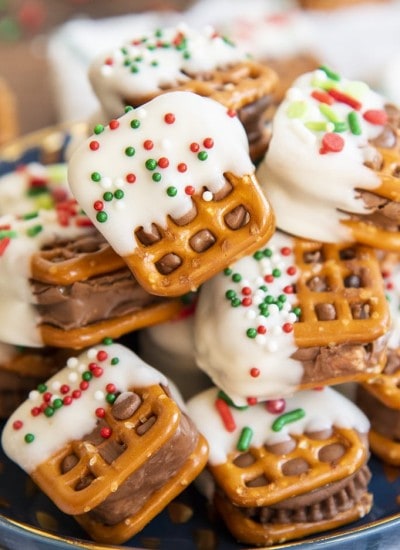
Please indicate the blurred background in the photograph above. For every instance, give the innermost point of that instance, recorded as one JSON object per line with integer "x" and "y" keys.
{"x": 46, "y": 45}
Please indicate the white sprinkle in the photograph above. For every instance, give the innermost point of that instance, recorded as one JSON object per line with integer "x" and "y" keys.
{"x": 82, "y": 367}
{"x": 272, "y": 345}
{"x": 92, "y": 353}
{"x": 119, "y": 182}
{"x": 250, "y": 314}
{"x": 34, "y": 394}
{"x": 72, "y": 362}
{"x": 99, "y": 395}
{"x": 119, "y": 205}
{"x": 106, "y": 182}
{"x": 56, "y": 385}
{"x": 207, "y": 196}
{"x": 73, "y": 377}
{"x": 261, "y": 339}
{"x": 276, "y": 331}
{"x": 273, "y": 309}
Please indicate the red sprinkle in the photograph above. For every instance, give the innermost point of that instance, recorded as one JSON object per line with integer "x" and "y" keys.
{"x": 163, "y": 162}
{"x": 109, "y": 61}
{"x": 102, "y": 355}
{"x": 114, "y": 124}
{"x": 275, "y": 406}
{"x": 84, "y": 385}
{"x": 208, "y": 143}
{"x": 225, "y": 414}
{"x": 111, "y": 388}
{"x": 318, "y": 388}
{"x": 130, "y": 178}
{"x": 3, "y": 244}
{"x": 182, "y": 167}
{"x": 94, "y": 145}
{"x": 105, "y": 432}
{"x": 344, "y": 98}
{"x": 269, "y": 278}
{"x": 285, "y": 251}
{"x": 36, "y": 411}
{"x": 287, "y": 327}
{"x": 100, "y": 412}
{"x": 17, "y": 424}
{"x": 252, "y": 401}
{"x": 189, "y": 190}
{"x": 376, "y": 116}
{"x": 64, "y": 389}
{"x": 291, "y": 270}
{"x": 288, "y": 289}
{"x": 247, "y": 301}
{"x": 323, "y": 97}
{"x": 194, "y": 147}
{"x": 169, "y": 118}
{"x": 67, "y": 400}
{"x": 148, "y": 144}
{"x": 97, "y": 371}
{"x": 76, "y": 394}
{"x": 98, "y": 205}
{"x": 331, "y": 143}
{"x": 255, "y": 372}
{"x": 47, "y": 397}
{"x": 231, "y": 112}
{"x": 261, "y": 329}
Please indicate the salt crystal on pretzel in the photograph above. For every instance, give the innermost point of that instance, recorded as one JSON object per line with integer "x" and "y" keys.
{"x": 288, "y": 468}
{"x": 294, "y": 315}
{"x": 171, "y": 187}
{"x": 94, "y": 436}
{"x": 342, "y": 183}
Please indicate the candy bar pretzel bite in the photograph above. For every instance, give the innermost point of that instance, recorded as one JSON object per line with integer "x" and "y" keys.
{"x": 111, "y": 428}
{"x": 171, "y": 187}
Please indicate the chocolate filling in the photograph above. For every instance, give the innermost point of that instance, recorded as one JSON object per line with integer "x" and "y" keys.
{"x": 157, "y": 470}
{"x": 91, "y": 300}
{"x": 383, "y": 212}
{"x": 318, "y": 505}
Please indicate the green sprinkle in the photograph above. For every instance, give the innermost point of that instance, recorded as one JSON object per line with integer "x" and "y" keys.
{"x": 245, "y": 438}
{"x": 49, "y": 411}
{"x": 228, "y": 401}
{"x": 110, "y": 398}
{"x": 87, "y": 375}
{"x": 35, "y": 230}
{"x": 186, "y": 55}
{"x": 158, "y": 33}
{"x": 7, "y": 233}
{"x": 58, "y": 403}
{"x": 29, "y": 438}
{"x": 108, "y": 196}
{"x": 258, "y": 255}
{"x": 115, "y": 360}
{"x": 128, "y": 108}
{"x": 156, "y": 177}
{"x": 108, "y": 341}
{"x": 172, "y": 191}
{"x": 101, "y": 217}
{"x": 95, "y": 176}
{"x": 134, "y": 69}
{"x": 30, "y": 216}
{"x": 236, "y": 302}
{"x": 154, "y": 63}
{"x": 287, "y": 418}
{"x": 328, "y": 112}
{"x": 151, "y": 164}
{"x": 236, "y": 277}
{"x": 340, "y": 126}
{"x": 268, "y": 253}
{"x": 228, "y": 271}
{"x": 98, "y": 129}
{"x": 251, "y": 332}
{"x": 316, "y": 126}
{"x": 354, "y": 123}
{"x": 276, "y": 272}
{"x": 296, "y": 109}
{"x": 282, "y": 298}
{"x": 135, "y": 123}
{"x": 230, "y": 294}
{"x": 119, "y": 194}
{"x": 297, "y": 311}
{"x": 41, "y": 388}
{"x": 130, "y": 151}
{"x": 329, "y": 73}
{"x": 269, "y": 299}
{"x": 323, "y": 84}
{"x": 203, "y": 155}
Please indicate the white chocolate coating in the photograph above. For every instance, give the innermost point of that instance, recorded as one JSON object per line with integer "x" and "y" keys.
{"x": 308, "y": 190}
{"x": 21, "y": 238}
{"x": 323, "y": 409}
{"x": 149, "y": 64}
{"x": 391, "y": 280}
{"x": 73, "y": 421}
{"x": 223, "y": 348}
{"x": 147, "y": 200}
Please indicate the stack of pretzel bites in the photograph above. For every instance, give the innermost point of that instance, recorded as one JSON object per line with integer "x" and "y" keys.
{"x": 267, "y": 245}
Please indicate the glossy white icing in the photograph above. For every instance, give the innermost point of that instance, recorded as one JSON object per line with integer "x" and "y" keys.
{"x": 20, "y": 238}
{"x": 222, "y": 345}
{"x": 391, "y": 280}
{"x": 73, "y": 421}
{"x": 164, "y": 160}
{"x": 150, "y": 63}
{"x": 308, "y": 190}
{"x": 323, "y": 409}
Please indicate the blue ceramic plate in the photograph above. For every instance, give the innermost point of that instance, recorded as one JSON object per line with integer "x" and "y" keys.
{"x": 30, "y": 521}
